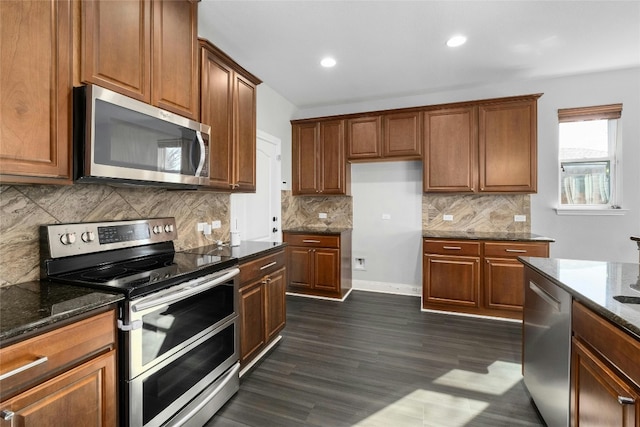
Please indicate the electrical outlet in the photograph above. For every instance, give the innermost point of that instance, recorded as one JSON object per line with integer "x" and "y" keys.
{"x": 520, "y": 218}
{"x": 216, "y": 224}
{"x": 447, "y": 217}
{"x": 359, "y": 264}
{"x": 322, "y": 215}
{"x": 200, "y": 226}
{"x": 386, "y": 216}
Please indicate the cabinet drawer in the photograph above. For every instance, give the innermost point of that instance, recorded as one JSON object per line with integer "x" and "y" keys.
{"x": 452, "y": 247}
{"x": 496, "y": 249}
{"x": 257, "y": 268}
{"x": 47, "y": 355}
{"x": 313, "y": 240}
{"x": 620, "y": 349}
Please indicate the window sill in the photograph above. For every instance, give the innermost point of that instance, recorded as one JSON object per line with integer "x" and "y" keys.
{"x": 590, "y": 211}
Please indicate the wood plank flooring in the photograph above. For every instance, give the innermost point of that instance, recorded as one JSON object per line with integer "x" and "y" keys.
{"x": 376, "y": 360}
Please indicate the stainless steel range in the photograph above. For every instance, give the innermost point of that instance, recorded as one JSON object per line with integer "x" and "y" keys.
{"x": 178, "y": 341}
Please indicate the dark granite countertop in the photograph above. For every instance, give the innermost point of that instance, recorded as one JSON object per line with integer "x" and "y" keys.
{"x": 318, "y": 230}
{"x": 470, "y": 235}
{"x": 246, "y": 251}
{"x": 30, "y": 306}
{"x": 594, "y": 284}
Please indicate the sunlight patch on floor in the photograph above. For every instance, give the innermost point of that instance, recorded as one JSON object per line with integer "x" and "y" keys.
{"x": 501, "y": 376}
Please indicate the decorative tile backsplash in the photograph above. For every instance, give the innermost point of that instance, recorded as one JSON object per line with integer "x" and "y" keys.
{"x": 303, "y": 211}
{"x": 24, "y": 208}
{"x": 480, "y": 213}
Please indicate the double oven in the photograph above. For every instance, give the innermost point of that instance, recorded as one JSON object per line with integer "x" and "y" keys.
{"x": 177, "y": 324}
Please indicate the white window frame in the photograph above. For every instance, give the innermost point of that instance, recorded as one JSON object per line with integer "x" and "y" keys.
{"x": 612, "y": 113}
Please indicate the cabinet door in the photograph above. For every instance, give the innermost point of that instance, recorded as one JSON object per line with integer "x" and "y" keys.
{"x": 275, "y": 303}
{"x": 504, "y": 284}
{"x": 305, "y": 152}
{"x": 251, "y": 320}
{"x": 244, "y": 134}
{"x": 402, "y": 135}
{"x": 508, "y": 147}
{"x": 83, "y": 396}
{"x": 364, "y": 138}
{"x": 216, "y": 110}
{"x": 116, "y": 46}
{"x": 599, "y": 395}
{"x": 451, "y": 280}
{"x": 35, "y": 88}
{"x": 326, "y": 269}
{"x": 300, "y": 267}
{"x": 450, "y": 148}
{"x": 332, "y": 161}
{"x": 174, "y": 76}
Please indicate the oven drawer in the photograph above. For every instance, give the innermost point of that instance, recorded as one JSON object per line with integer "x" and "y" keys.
{"x": 262, "y": 266}
{"x": 44, "y": 356}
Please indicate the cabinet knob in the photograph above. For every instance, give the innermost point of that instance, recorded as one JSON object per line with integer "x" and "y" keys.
{"x": 7, "y": 415}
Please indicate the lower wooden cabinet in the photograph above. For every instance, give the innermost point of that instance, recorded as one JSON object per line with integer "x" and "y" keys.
{"x": 72, "y": 379}
{"x": 262, "y": 303}
{"x": 476, "y": 277}
{"x": 605, "y": 363}
{"x": 319, "y": 264}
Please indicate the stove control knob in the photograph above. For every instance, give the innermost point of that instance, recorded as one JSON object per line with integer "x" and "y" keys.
{"x": 168, "y": 228}
{"x": 88, "y": 236}
{"x": 68, "y": 238}
{"x": 157, "y": 229}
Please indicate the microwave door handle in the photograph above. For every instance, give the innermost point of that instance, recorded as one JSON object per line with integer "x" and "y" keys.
{"x": 202, "y": 153}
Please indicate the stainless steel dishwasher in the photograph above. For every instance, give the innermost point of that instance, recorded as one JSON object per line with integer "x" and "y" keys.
{"x": 547, "y": 347}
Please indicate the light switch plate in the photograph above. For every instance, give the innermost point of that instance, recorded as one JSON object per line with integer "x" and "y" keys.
{"x": 447, "y": 217}
{"x": 322, "y": 215}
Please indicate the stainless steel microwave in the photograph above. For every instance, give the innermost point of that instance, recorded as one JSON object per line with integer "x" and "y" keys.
{"x": 120, "y": 140}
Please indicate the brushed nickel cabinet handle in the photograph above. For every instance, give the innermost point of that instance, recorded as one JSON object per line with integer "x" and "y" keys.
{"x": 311, "y": 241}
{"x": 271, "y": 264}
{"x": 452, "y": 248}
{"x": 517, "y": 251}
{"x": 6, "y": 415}
{"x": 623, "y": 400}
{"x": 23, "y": 368}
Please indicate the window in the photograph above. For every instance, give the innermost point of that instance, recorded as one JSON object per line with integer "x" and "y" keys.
{"x": 588, "y": 165}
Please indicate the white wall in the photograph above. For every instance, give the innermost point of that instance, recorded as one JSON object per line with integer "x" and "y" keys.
{"x": 580, "y": 237}
{"x": 391, "y": 248}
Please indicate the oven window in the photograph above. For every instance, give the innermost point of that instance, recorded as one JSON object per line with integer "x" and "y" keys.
{"x": 134, "y": 140}
{"x": 162, "y": 388}
{"x": 167, "y": 329}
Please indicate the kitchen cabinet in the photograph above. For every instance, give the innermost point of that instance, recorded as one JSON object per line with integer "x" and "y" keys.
{"x": 476, "y": 277}
{"x": 319, "y": 165}
{"x": 35, "y": 122}
{"x": 72, "y": 378}
{"x": 228, "y": 105}
{"x": 605, "y": 369}
{"x": 482, "y": 147}
{"x": 319, "y": 264}
{"x": 390, "y": 136}
{"x": 144, "y": 49}
{"x": 262, "y": 303}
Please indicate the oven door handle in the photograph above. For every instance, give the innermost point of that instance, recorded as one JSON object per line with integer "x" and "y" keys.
{"x": 183, "y": 292}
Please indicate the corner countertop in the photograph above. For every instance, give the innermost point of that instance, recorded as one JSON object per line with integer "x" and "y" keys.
{"x": 246, "y": 251}
{"x": 31, "y": 306}
{"x": 471, "y": 235}
{"x": 317, "y": 230}
{"x": 594, "y": 284}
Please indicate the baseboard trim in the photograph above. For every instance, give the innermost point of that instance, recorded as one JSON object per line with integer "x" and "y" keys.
{"x": 260, "y": 356}
{"x": 477, "y": 316}
{"x": 295, "y": 294}
{"x": 387, "y": 287}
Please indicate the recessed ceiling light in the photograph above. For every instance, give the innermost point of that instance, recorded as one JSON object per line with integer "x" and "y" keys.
{"x": 456, "y": 41}
{"x": 328, "y": 62}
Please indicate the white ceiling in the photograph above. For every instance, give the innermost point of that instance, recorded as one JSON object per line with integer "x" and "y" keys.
{"x": 389, "y": 49}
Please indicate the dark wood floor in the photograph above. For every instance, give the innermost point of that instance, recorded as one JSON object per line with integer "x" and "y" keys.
{"x": 376, "y": 360}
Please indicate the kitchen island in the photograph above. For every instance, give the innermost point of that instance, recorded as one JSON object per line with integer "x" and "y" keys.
{"x": 583, "y": 349}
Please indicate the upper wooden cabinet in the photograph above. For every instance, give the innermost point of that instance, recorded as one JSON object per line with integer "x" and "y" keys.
{"x": 35, "y": 88}
{"x": 487, "y": 147}
{"x": 228, "y": 105}
{"x": 144, "y": 49}
{"x": 318, "y": 152}
{"x": 389, "y": 136}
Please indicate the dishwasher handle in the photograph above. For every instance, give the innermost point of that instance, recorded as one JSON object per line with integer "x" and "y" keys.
{"x": 546, "y": 297}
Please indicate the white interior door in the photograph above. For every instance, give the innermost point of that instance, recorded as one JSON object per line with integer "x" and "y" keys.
{"x": 257, "y": 215}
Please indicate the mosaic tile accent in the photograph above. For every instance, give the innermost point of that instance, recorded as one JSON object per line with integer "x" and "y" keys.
{"x": 24, "y": 208}
{"x": 302, "y": 211}
{"x": 476, "y": 213}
